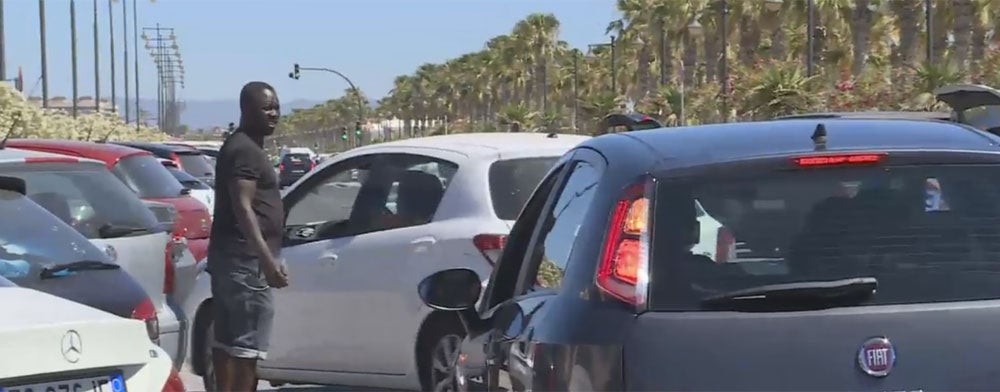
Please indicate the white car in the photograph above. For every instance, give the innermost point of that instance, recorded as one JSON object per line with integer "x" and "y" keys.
{"x": 88, "y": 197}
{"x": 199, "y": 190}
{"x": 52, "y": 344}
{"x": 363, "y": 229}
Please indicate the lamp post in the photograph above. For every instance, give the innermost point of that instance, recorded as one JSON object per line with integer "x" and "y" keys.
{"x": 72, "y": 27}
{"x": 929, "y": 20}
{"x": 614, "y": 82}
{"x": 45, "y": 63}
{"x": 724, "y": 10}
{"x": 97, "y": 64}
{"x": 111, "y": 34}
{"x": 125, "y": 56}
{"x": 3, "y": 46}
{"x": 170, "y": 73}
{"x": 810, "y": 35}
{"x": 295, "y": 74}
{"x": 694, "y": 31}
{"x": 576, "y": 86}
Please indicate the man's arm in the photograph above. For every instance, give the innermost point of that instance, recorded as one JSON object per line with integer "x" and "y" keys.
{"x": 242, "y": 191}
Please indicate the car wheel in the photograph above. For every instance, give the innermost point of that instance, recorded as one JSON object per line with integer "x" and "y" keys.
{"x": 207, "y": 337}
{"x": 440, "y": 358}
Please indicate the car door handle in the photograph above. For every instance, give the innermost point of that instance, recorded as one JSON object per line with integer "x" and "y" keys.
{"x": 428, "y": 240}
{"x": 329, "y": 258}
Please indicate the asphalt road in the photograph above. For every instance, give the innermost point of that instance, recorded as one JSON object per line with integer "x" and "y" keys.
{"x": 193, "y": 383}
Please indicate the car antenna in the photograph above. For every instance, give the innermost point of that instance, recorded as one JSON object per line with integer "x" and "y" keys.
{"x": 13, "y": 124}
{"x": 819, "y": 137}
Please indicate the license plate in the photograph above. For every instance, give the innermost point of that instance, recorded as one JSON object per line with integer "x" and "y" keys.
{"x": 112, "y": 383}
{"x": 298, "y": 171}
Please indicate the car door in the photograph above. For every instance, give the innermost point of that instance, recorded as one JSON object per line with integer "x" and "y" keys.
{"x": 544, "y": 261}
{"x": 318, "y": 229}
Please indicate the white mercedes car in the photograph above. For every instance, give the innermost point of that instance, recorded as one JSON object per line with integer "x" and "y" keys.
{"x": 52, "y": 344}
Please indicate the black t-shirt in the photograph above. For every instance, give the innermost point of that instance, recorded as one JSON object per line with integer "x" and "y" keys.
{"x": 242, "y": 158}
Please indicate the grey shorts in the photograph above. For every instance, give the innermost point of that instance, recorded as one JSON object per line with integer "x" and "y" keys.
{"x": 244, "y": 310}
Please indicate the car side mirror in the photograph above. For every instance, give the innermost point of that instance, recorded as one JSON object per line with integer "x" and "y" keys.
{"x": 185, "y": 191}
{"x": 452, "y": 290}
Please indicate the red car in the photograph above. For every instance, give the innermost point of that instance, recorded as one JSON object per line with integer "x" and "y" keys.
{"x": 141, "y": 171}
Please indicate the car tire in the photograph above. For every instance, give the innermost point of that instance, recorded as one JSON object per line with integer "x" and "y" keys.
{"x": 440, "y": 347}
{"x": 206, "y": 336}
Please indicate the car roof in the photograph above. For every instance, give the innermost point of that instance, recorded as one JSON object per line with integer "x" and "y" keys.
{"x": 706, "y": 144}
{"x": 17, "y": 155}
{"x": 490, "y": 143}
{"x": 108, "y": 152}
{"x": 872, "y": 115}
{"x": 159, "y": 147}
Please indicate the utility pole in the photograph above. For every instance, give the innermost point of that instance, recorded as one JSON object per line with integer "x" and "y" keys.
{"x": 3, "y": 46}
{"x": 111, "y": 33}
{"x": 97, "y": 65}
{"x": 72, "y": 27}
{"x": 169, "y": 73}
{"x": 125, "y": 58}
{"x": 135, "y": 43}
{"x": 45, "y": 63}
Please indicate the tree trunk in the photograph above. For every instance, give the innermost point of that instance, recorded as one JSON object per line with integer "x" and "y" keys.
{"x": 964, "y": 13}
{"x": 861, "y": 29}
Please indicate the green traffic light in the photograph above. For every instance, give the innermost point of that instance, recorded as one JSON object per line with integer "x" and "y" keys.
{"x": 357, "y": 132}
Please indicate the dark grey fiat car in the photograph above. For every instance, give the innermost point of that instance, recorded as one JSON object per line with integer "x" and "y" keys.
{"x": 793, "y": 255}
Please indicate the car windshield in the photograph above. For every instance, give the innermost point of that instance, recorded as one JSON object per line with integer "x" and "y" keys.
{"x": 88, "y": 197}
{"x": 147, "y": 177}
{"x": 513, "y": 180}
{"x": 195, "y": 163}
{"x": 37, "y": 240}
{"x": 186, "y": 179}
{"x": 926, "y": 233}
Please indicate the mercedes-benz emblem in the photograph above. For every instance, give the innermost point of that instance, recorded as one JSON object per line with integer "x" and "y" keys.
{"x": 877, "y": 357}
{"x": 72, "y": 346}
{"x": 111, "y": 252}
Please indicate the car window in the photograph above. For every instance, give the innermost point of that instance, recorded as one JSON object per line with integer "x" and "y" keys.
{"x": 88, "y": 197}
{"x": 296, "y": 159}
{"x": 926, "y": 233}
{"x": 332, "y": 198}
{"x": 38, "y": 239}
{"x": 561, "y": 224}
{"x": 193, "y": 162}
{"x": 513, "y": 180}
{"x": 187, "y": 180}
{"x": 147, "y": 177}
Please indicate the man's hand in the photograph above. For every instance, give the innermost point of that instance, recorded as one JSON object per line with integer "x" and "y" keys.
{"x": 276, "y": 275}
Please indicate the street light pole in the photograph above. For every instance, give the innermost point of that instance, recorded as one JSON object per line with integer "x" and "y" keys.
{"x": 45, "y": 63}
{"x": 929, "y": 20}
{"x": 614, "y": 69}
{"x": 810, "y": 32}
{"x": 3, "y": 46}
{"x": 125, "y": 55}
{"x": 725, "y": 60}
{"x": 111, "y": 34}
{"x": 72, "y": 27}
{"x": 135, "y": 47}
{"x": 97, "y": 65}
{"x": 576, "y": 91}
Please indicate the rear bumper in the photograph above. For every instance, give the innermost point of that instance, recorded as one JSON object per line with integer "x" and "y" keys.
{"x": 290, "y": 178}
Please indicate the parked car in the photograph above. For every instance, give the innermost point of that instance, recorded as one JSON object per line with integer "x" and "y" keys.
{"x": 199, "y": 190}
{"x": 51, "y": 344}
{"x": 411, "y": 207}
{"x": 294, "y": 166}
{"x": 187, "y": 158}
{"x": 142, "y": 172}
{"x": 41, "y": 252}
{"x": 85, "y": 195}
{"x": 597, "y": 287}
{"x": 628, "y": 122}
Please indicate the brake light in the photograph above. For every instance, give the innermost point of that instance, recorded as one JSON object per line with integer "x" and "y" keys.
{"x": 50, "y": 160}
{"x": 146, "y": 312}
{"x": 174, "y": 382}
{"x": 834, "y": 160}
{"x": 177, "y": 159}
{"x": 622, "y": 272}
{"x": 725, "y": 246}
{"x": 281, "y": 166}
{"x": 312, "y": 165}
{"x": 490, "y": 245}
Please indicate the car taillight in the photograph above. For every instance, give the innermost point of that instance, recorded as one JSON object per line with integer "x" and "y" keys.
{"x": 173, "y": 252}
{"x": 281, "y": 167}
{"x": 146, "y": 312}
{"x": 490, "y": 245}
{"x": 174, "y": 382}
{"x": 725, "y": 246}
{"x": 622, "y": 272}
{"x": 177, "y": 159}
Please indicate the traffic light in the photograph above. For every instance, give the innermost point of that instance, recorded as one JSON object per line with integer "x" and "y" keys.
{"x": 343, "y": 134}
{"x": 357, "y": 128}
{"x": 295, "y": 72}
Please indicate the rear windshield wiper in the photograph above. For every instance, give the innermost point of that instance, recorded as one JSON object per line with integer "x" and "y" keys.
{"x": 53, "y": 271}
{"x": 797, "y": 295}
{"x": 115, "y": 231}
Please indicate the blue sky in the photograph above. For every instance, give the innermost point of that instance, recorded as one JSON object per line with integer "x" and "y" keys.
{"x": 226, "y": 43}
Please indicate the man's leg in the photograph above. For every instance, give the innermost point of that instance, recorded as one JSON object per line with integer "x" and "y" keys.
{"x": 245, "y": 374}
{"x": 221, "y": 362}
{"x": 223, "y": 370}
{"x": 252, "y": 331}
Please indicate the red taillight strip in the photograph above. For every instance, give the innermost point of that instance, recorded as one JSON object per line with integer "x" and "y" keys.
{"x": 842, "y": 159}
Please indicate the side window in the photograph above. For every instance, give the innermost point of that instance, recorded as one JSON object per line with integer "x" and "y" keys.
{"x": 417, "y": 190}
{"x": 561, "y": 223}
{"x": 326, "y": 204}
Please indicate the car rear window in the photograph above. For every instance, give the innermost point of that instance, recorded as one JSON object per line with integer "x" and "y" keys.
{"x": 195, "y": 163}
{"x": 513, "y": 180}
{"x": 88, "y": 197}
{"x": 147, "y": 177}
{"x": 296, "y": 159}
{"x": 186, "y": 179}
{"x": 38, "y": 239}
{"x": 926, "y": 233}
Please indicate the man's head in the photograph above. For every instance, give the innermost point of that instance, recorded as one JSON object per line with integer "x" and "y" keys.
{"x": 259, "y": 109}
